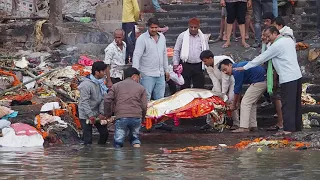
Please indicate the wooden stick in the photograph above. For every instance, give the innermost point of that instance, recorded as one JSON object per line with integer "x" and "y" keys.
{"x": 27, "y": 82}
{"x": 34, "y": 76}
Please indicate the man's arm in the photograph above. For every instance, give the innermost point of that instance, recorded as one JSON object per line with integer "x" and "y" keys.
{"x": 138, "y": 52}
{"x": 238, "y": 77}
{"x": 225, "y": 83}
{"x": 177, "y": 50}
{"x": 144, "y": 103}
{"x": 85, "y": 95}
{"x": 109, "y": 102}
{"x": 273, "y": 51}
{"x": 136, "y": 10}
{"x": 107, "y": 60}
{"x": 165, "y": 57}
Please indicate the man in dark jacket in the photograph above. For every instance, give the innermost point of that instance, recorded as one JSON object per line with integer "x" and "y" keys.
{"x": 90, "y": 106}
{"x": 128, "y": 100}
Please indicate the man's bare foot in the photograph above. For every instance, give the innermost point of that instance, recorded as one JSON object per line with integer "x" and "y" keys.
{"x": 247, "y": 37}
{"x": 136, "y": 145}
{"x": 226, "y": 45}
{"x": 161, "y": 10}
{"x": 241, "y": 130}
{"x": 245, "y": 45}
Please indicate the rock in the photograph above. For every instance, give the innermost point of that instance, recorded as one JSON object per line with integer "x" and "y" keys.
{"x": 313, "y": 54}
{"x": 80, "y": 7}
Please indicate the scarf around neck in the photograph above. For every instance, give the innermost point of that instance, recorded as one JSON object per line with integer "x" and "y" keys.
{"x": 100, "y": 82}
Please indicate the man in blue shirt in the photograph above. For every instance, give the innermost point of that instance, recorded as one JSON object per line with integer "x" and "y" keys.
{"x": 256, "y": 77}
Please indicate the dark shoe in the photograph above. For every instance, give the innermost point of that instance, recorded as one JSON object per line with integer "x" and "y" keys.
{"x": 234, "y": 127}
{"x": 282, "y": 133}
{"x": 253, "y": 129}
{"x": 256, "y": 45}
{"x": 241, "y": 130}
{"x": 205, "y": 127}
{"x": 274, "y": 128}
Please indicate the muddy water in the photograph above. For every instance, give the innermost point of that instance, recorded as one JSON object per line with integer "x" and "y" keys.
{"x": 148, "y": 162}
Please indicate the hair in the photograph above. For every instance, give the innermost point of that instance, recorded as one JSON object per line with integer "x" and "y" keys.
{"x": 153, "y": 20}
{"x": 272, "y": 30}
{"x": 206, "y": 54}
{"x": 268, "y": 15}
{"x": 98, "y": 66}
{"x": 129, "y": 72}
{"x": 224, "y": 62}
{"x": 118, "y": 30}
{"x": 279, "y": 21}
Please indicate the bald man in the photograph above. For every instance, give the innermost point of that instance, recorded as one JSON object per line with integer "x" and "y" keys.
{"x": 187, "y": 50}
{"x": 115, "y": 55}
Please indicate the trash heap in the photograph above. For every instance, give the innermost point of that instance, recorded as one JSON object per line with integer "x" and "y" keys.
{"x": 258, "y": 144}
{"x": 49, "y": 89}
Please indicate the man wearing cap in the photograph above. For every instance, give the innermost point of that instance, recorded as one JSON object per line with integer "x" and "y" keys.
{"x": 187, "y": 50}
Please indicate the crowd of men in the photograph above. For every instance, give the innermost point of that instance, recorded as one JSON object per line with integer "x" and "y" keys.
{"x": 127, "y": 91}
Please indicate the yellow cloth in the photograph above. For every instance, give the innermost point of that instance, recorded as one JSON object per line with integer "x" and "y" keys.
{"x": 130, "y": 11}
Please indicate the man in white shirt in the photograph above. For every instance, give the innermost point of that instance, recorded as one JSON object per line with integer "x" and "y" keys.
{"x": 222, "y": 83}
{"x": 115, "y": 55}
{"x": 285, "y": 62}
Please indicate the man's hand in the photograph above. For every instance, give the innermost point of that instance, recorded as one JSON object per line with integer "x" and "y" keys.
{"x": 167, "y": 76}
{"x": 249, "y": 4}
{"x": 92, "y": 120}
{"x": 239, "y": 69}
{"x": 175, "y": 67}
{"x": 223, "y": 3}
{"x": 102, "y": 117}
{"x": 109, "y": 84}
{"x": 232, "y": 107}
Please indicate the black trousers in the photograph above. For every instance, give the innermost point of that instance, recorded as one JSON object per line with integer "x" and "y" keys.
{"x": 87, "y": 132}
{"x": 129, "y": 38}
{"x": 291, "y": 105}
{"x": 192, "y": 73}
{"x": 236, "y": 11}
{"x": 172, "y": 86}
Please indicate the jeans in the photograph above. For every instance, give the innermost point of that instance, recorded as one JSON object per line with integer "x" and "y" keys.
{"x": 275, "y": 8}
{"x": 156, "y": 5}
{"x": 258, "y": 9}
{"x": 318, "y": 13}
{"x": 155, "y": 86}
{"x": 126, "y": 126}
{"x": 87, "y": 132}
{"x": 129, "y": 38}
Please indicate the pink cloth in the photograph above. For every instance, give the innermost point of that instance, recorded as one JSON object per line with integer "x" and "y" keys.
{"x": 179, "y": 70}
{"x": 24, "y": 129}
{"x": 84, "y": 60}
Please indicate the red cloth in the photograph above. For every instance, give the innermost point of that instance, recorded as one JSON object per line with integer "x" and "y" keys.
{"x": 194, "y": 21}
{"x": 24, "y": 129}
{"x": 84, "y": 60}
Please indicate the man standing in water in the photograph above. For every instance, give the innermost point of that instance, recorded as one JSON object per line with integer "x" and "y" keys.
{"x": 92, "y": 90}
{"x": 284, "y": 59}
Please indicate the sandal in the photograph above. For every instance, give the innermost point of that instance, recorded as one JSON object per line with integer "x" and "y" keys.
{"x": 226, "y": 45}
{"x": 241, "y": 130}
{"x": 246, "y": 45}
{"x": 282, "y": 133}
{"x": 234, "y": 127}
{"x": 218, "y": 39}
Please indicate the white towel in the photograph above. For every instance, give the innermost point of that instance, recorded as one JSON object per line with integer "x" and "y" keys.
{"x": 185, "y": 44}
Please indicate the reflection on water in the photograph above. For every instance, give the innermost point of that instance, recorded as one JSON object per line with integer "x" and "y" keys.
{"x": 101, "y": 162}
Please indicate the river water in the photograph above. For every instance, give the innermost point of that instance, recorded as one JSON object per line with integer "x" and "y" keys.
{"x": 149, "y": 162}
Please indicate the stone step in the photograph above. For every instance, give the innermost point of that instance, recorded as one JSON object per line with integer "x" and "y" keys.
{"x": 309, "y": 17}
{"x": 308, "y": 25}
{"x": 306, "y": 3}
{"x": 173, "y": 15}
{"x": 310, "y": 10}
{"x": 191, "y": 7}
{"x": 304, "y": 33}
{"x": 184, "y": 22}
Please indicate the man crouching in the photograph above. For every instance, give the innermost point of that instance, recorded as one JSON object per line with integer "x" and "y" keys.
{"x": 128, "y": 100}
